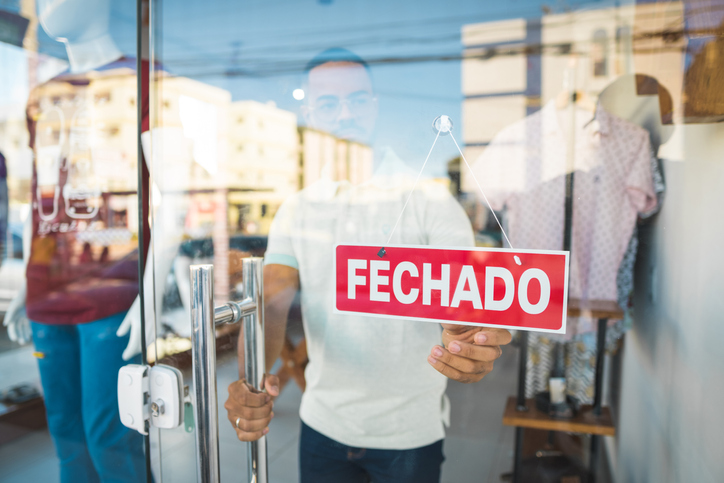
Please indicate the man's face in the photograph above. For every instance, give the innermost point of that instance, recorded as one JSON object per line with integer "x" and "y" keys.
{"x": 341, "y": 101}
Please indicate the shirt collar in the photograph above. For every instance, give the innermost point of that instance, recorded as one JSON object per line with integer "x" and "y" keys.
{"x": 598, "y": 122}
{"x": 390, "y": 173}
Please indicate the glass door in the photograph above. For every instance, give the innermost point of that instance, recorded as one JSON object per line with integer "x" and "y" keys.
{"x": 163, "y": 164}
{"x": 286, "y": 131}
{"x": 69, "y": 231}
{"x": 279, "y": 133}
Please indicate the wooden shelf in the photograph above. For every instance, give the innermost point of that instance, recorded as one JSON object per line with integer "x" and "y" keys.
{"x": 585, "y": 422}
{"x": 597, "y": 309}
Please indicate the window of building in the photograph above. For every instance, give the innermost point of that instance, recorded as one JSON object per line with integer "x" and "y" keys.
{"x": 599, "y": 53}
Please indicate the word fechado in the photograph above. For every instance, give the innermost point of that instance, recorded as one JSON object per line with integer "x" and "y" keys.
{"x": 468, "y": 286}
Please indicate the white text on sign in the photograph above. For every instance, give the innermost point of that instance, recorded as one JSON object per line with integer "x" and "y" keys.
{"x": 467, "y": 286}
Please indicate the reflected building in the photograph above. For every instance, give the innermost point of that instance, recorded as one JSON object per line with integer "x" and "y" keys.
{"x": 263, "y": 153}
{"x": 322, "y": 154}
{"x": 511, "y": 68}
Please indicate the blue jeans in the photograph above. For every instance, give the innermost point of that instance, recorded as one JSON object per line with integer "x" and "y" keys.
{"x": 79, "y": 373}
{"x": 3, "y": 216}
{"x": 324, "y": 460}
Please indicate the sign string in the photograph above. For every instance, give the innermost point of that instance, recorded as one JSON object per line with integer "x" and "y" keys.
{"x": 382, "y": 250}
{"x": 443, "y": 125}
{"x": 482, "y": 192}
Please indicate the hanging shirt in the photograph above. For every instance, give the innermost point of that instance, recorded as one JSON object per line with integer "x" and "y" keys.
{"x": 83, "y": 263}
{"x": 523, "y": 170}
{"x": 368, "y": 381}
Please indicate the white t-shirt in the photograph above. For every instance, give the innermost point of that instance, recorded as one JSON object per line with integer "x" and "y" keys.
{"x": 368, "y": 380}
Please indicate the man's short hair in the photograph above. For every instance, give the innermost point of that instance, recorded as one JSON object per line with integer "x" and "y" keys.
{"x": 336, "y": 54}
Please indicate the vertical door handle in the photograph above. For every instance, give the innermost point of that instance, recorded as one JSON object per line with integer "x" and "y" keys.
{"x": 204, "y": 318}
{"x": 254, "y": 357}
{"x": 203, "y": 354}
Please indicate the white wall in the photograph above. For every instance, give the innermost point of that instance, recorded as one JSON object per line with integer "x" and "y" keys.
{"x": 671, "y": 424}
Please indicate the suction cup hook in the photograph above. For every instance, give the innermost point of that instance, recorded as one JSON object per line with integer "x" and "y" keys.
{"x": 442, "y": 125}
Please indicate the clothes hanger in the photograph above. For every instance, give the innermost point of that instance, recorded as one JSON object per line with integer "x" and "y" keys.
{"x": 579, "y": 98}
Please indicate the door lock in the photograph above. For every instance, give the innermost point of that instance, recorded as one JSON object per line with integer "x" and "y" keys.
{"x": 150, "y": 396}
{"x": 157, "y": 408}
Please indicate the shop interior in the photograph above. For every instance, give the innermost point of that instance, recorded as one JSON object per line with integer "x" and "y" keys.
{"x": 182, "y": 130}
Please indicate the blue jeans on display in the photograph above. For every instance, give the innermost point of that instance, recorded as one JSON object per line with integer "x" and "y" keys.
{"x": 79, "y": 372}
{"x": 3, "y": 216}
{"x": 324, "y": 460}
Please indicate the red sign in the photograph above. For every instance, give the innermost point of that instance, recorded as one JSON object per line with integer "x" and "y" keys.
{"x": 521, "y": 289}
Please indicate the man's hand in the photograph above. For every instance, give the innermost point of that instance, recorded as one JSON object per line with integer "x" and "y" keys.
{"x": 468, "y": 352}
{"x": 250, "y": 411}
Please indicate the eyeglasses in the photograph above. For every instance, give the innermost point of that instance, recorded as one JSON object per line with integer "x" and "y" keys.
{"x": 328, "y": 108}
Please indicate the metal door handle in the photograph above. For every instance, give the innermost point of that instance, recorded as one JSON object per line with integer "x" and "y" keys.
{"x": 204, "y": 319}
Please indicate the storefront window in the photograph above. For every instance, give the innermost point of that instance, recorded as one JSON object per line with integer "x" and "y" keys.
{"x": 399, "y": 167}
{"x": 69, "y": 225}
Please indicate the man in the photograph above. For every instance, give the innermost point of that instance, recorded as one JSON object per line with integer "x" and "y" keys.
{"x": 373, "y": 408}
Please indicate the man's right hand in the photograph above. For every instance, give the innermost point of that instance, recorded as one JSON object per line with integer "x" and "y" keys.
{"x": 249, "y": 410}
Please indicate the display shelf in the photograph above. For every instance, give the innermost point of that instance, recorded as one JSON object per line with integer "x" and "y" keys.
{"x": 593, "y": 419}
{"x": 585, "y": 422}
{"x": 596, "y": 309}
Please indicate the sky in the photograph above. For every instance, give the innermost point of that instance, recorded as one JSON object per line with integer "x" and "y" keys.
{"x": 256, "y": 50}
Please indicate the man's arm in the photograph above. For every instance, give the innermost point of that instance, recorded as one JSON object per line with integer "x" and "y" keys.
{"x": 250, "y": 411}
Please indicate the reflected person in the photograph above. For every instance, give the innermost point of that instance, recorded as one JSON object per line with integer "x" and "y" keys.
{"x": 82, "y": 272}
{"x": 374, "y": 403}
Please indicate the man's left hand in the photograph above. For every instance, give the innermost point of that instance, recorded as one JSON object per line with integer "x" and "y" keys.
{"x": 468, "y": 353}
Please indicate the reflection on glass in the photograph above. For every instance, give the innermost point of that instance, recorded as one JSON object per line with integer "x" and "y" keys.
{"x": 571, "y": 117}
{"x": 369, "y": 382}
{"x": 82, "y": 261}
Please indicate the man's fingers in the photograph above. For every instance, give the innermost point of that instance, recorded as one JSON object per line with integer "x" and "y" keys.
{"x": 235, "y": 410}
{"x": 250, "y": 411}
{"x": 477, "y": 335}
{"x": 445, "y": 370}
{"x": 246, "y": 396}
{"x": 493, "y": 337}
{"x": 455, "y": 374}
{"x": 250, "y": 425}
{"x": 253, "y": 436}
{"x": 484, "y": 353}
{"x": 462, "y": 364}
{"x": 271, "y": 384}
{"x": 456, "y": 329}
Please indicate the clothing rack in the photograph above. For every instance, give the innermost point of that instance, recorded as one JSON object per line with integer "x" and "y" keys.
{"x": 594, "y": 420}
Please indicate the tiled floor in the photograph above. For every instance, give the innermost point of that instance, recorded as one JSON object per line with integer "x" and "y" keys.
{"x": 477, "y": 447}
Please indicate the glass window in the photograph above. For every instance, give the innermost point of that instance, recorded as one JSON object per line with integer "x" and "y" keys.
{"x": 599, "y": 53}
{"x": 398, "y": 170}
{"x": 69, "y": 239}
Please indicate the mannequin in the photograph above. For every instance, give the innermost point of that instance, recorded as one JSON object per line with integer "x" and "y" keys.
{"x": 525, "y": 168}
{"x": 89, "y": 46}
{"x": 83, "y": 27}
{"x": 75, "y": 305}
{"x": 639, "y": 100}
